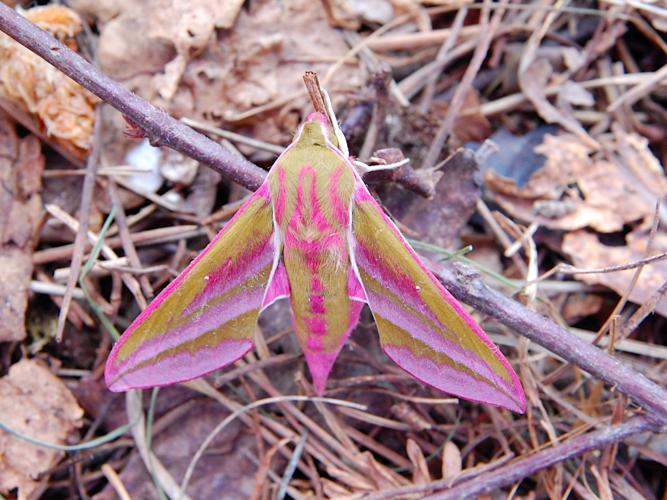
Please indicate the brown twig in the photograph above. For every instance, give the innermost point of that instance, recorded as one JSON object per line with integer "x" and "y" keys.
{"x": 126, "y": 238}
{"x": 471, "y": 289}
{"x": 526, "y": 466}
{"x": 82, "y": 233}
{"x": 523, "y": 467}
{"x": 313, "y": 87}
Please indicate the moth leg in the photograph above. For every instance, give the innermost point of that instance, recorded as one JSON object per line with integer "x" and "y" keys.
{"x": 364, "y": 168}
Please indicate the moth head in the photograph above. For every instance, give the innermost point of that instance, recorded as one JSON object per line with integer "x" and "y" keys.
{"x": 316, "y": 130}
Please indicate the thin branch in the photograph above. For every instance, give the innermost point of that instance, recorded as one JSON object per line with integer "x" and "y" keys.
{"x": 82, "y": 232}
{"x": 525, "y": 466}
{"x": 466, "y": 285}
{"x": 160, "y": 128}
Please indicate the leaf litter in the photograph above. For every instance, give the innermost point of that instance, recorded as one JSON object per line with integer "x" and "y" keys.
{"x": 34, "y": 402}
{"x": 572, "y": 99}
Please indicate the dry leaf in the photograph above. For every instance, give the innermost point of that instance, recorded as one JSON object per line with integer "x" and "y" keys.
{"x": 580, "y": 305}
{"x": 178, "y": 168}
{"x": 470, "y": 125}
{"x": 420, "y": 474}
{"x": 21, "y": 167}
{"x": 186, "y": 58}
{"x": 439, "y": 220}
{"x": 451, "y": 461}
{"x": 350, "y": 14}
{"x": 224, "y": 471}
{"x": 587, "y": 251}
{"x": 382, "y": 476}
{"x": 66, "y": 109}
{"x": 16, "y": 268}
{"x": 35, "y": 402}
{"x": 575, "y": 189}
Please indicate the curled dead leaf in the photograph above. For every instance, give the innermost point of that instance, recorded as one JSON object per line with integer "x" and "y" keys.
{"x": 587, "y": 251}
{"x": 420, "y": 474}
{"x": 576, "y": 188}
{"x": 34, "y": 402}
{"x": 64, "y": 108}
{"x": 190, "y": 59}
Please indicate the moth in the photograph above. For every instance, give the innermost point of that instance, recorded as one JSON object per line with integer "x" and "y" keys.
{"x": 314, "y": 235}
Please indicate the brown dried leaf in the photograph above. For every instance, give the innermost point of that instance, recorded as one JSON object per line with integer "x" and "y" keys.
{"x": 64, "y": 107}
{"x": 381, "y": 475}
{"x": 587, "y": 251}
{"x": 185, "y": 58}
{"x": 224, "y": 471}
{"x": 451, "y": 461}
{"x": 575, "y": 189}
{"x": 16, "y": 268}
{"x": 156, "y": 35}
{"x": 420, "y": 474}
{"x": 470, "y": 125}
{"x": 350, "y": 14}
{"x": 579, "y": 306}
{"x": 439, "y": 220}
{"x": 21, "y": 167}
{"x": 35, "y": 402}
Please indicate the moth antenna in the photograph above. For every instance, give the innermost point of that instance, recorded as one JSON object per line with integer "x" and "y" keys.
{"x": 342, "y": 142}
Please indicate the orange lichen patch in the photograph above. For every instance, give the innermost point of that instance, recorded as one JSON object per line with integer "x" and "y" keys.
{"x": 60, "y": 21}
{"x": 64, "y": 108}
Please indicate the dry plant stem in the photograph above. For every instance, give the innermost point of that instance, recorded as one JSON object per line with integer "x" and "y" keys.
{"x": 82, "y": 232}
{"x": 471, "y": 289}
{"x": 158, "y": 125}
{"x": 233, "y": 136}
{"x": 524, "y": 467}
{"x": 486, "y": 35}
{"x": 125, "y": 237}
{"x": 313, "y": 86}
{"x": 640, "y": 314}
{"x": 637, "y": 92}
{"x": 148, "y": 237}
{"x": 445, "y": 48}
{"x": 115, "y": 482}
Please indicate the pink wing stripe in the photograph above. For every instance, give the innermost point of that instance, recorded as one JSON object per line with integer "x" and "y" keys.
{"x": 406, "y": 289}
{"x": 355, "y": 289}
{"x": 421, "y": 331}
{"x": 320, "y": 362}
{"x": 181, "y": 366}
{"x": 455, "y": 381}
{"x": 172, "y": 350}
{"x": 231, "y": 274}
{"x": 209, "y": 320}
{"x": 262, "y": 192}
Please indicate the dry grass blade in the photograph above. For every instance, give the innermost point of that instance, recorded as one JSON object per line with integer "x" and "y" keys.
{"x": 82, "y": 229}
